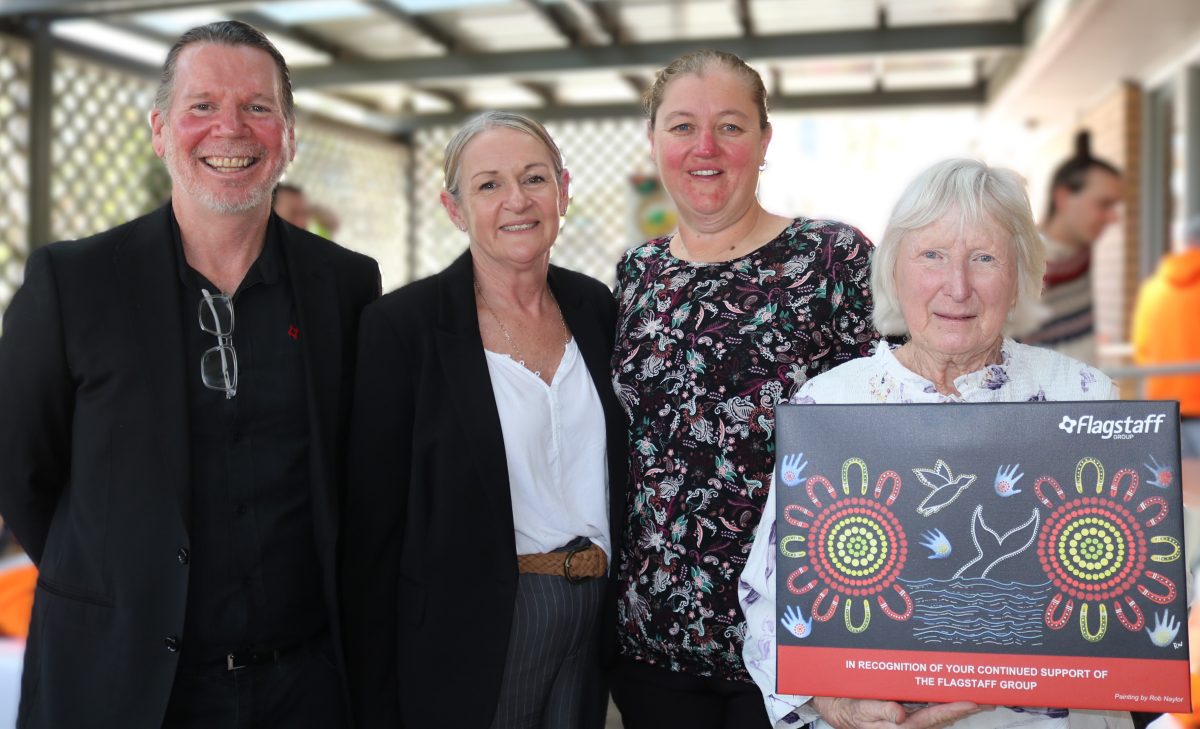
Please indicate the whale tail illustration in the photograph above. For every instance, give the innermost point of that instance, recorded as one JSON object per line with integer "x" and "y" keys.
{"x": 992, "y": 547}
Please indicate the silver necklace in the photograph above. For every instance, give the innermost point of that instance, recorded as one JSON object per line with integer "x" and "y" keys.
{"x": 520, "y": 358}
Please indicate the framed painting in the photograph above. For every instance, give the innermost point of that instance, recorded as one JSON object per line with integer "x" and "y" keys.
{"x": 1014, "y": 554}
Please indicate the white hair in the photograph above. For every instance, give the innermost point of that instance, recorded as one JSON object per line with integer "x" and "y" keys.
{"x": 979, "y": 195}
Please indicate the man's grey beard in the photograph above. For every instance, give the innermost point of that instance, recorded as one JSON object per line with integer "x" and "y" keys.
{"x": 224, "y": 206}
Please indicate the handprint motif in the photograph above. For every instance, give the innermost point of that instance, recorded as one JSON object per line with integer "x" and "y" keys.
{"x": 1006, "y": 480}
{"x": 795, "y": 623}
{"x": 790, "y": 469}
{"x": 1165, "y": 629}
{"x": 935, "y": 541}
{"x": 1163, "y": 476}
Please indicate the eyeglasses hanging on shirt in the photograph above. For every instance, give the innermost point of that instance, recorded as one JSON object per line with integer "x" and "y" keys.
{"x": 218, "y": 366}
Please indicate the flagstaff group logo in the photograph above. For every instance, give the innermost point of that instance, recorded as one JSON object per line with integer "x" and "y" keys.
{"x": 1115, "y": 429}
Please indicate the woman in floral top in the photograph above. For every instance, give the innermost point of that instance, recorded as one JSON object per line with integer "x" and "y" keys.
{"x": 717, "y": 324}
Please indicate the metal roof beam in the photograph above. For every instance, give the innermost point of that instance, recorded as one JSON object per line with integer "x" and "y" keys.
{"x": 132, "y": 28}
{"x": 601, "y": 30}
{"x": 801, "y": 45}
{"x": 299, "y": 35}
{"x": 108, "y": 59}
{"x": 70, "y": 9}
{"x": 376, "y": 119}
{"x": 799, "y": 102}
{"x": 557, "y": 20}
{"x": 606, "y": 18}
{"x": 262, "y": 23}
{"x": 636, "y": 82}
{"x": 574, "y": 20}
{"x": 543, "y": 91}
{"x": 453, "y": 98}
{"x": 745, "y": 17}
{"x": 448, "y": 41}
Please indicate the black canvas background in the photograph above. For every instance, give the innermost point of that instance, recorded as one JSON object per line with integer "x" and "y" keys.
{"x": 978, "y": 439}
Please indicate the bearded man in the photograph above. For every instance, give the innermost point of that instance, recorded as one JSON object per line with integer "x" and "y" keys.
{"x": 171, "y": 468}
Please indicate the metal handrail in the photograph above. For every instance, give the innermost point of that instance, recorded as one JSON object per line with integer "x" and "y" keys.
{"x": 1175, "y": 368}
{"x": 1141, "y": 372}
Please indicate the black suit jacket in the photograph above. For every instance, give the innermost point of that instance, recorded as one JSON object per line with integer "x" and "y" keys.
{"x": 431, "y": 570}
{"x": 94, "y": 449}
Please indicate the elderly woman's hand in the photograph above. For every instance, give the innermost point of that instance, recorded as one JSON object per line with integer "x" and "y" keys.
{"x": 870, "y": 714}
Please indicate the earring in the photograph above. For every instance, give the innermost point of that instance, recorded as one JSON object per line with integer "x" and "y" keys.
{"x": 763, "y": 166}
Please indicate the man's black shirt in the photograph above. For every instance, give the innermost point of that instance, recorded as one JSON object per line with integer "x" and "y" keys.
{"x": 255, "y": 580}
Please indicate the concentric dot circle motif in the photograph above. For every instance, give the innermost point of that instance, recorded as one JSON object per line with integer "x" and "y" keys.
{"x": 859, "y": 546}
{"x": 1096, "y": 548}
{"x": 1092, "y": 549}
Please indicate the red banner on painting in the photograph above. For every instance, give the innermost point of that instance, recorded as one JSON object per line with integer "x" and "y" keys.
{"x": 988, "y": 678}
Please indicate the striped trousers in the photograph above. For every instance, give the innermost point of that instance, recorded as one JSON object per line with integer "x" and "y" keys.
{"x": 552, "y": 677}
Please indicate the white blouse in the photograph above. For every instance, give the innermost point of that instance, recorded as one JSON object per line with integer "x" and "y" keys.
{"x": 1024, "y": 374}
{"x": 554, "y": 442}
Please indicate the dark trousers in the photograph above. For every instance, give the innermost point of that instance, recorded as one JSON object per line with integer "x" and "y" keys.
{"x": 302, "y": 690}
{"x": 552, "y": 675}
{"x": 649, "y": 697}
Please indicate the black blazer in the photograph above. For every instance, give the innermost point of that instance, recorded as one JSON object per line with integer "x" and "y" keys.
{"x": 94, "y": 448}
{"x": 431, "y": 570}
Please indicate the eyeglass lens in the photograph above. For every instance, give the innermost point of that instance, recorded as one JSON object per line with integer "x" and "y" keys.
{"x": 218, "y": 369}
{"x": 218, "y": 366}
{"x": 216, "y": 314}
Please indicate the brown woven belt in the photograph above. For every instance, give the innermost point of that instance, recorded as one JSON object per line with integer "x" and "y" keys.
{"x": 576, "y": 565}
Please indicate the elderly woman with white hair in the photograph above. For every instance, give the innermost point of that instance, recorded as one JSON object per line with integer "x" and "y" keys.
{"x": 959, "y": 268}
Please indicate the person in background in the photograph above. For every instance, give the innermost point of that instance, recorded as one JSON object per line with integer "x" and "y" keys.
{"x": 958, "y": 269}
{"x": 1085, "y": 193}
{"x": 717, "y": 323}
{"x": 1165, "y": 332}
{"x": 291, "y": 204}
{"x": 172, "y": 469}
{"x": 487, "y": 463}
{"x": 326, "y": 222}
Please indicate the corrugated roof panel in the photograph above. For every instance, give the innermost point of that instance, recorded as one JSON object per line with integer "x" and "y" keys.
{"x": 504, "y": 29}
{"x": 929, "y": 72}
{"x": 176, "y": 22}
{"x": 296, "y": 12}
{"x": 500, "y": 94}
{"x": 107, "y": 38}
{"x": 826, "y": 77}
{"x": 937, "y": 12}
{"x": 378, "y": 36}
{"x": 653, "y": 20}
{"x": 802, "y": 16}
{"x": 600, "y": 87}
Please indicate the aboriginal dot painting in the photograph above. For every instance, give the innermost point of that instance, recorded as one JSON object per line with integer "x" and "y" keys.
{"x": 944, "y": 529}
{"x": 856, "y": 548}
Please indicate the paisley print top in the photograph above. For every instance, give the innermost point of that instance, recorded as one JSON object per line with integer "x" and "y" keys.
{"x": 704, "y": 351}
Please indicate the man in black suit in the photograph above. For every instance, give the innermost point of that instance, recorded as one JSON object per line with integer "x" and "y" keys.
{"x": 173, "y": 469}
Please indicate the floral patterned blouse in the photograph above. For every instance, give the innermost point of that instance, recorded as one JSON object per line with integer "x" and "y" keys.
{"x": 704, "y": 351}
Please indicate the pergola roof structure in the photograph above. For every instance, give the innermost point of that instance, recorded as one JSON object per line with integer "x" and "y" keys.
{"x": 396, "y": 65}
